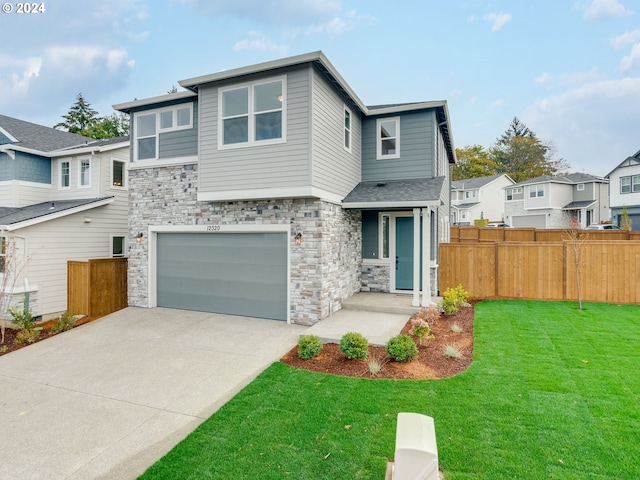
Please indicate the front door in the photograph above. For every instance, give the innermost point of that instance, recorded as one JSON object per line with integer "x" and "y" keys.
{"x": 404, "y": 253}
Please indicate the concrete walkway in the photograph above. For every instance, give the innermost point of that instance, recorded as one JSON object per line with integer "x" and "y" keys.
{"x": 109, "y": 398}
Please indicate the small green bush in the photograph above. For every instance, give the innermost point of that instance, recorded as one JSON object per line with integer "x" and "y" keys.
{"x": 354, "y": 346}
{"x": 27, "y": 336}
{"x": 64, "y": 323}
{"x": 453, "y": 299}
{"x": 22, "y": 319}
{"x": 402, "y": 348}
{"x": 309, "y": 346}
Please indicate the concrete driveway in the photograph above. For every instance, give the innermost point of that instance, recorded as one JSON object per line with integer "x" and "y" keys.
{"x": 109, "y": 398}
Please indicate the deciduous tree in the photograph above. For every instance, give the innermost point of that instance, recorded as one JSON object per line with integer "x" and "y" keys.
{"x": 472, "y": 162}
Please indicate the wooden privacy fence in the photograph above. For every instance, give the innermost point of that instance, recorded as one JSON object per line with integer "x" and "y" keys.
{"x": 480, "y": 234}
{"x": 609, "y": 271}
{"x": 96, "y": 287}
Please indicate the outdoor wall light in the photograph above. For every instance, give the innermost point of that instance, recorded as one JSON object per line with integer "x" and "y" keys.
{"x": 139, "y": 237}
{"x": 298, "y": 238}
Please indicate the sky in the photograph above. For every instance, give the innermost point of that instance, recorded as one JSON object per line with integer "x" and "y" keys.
{"x": 570, "y": 70}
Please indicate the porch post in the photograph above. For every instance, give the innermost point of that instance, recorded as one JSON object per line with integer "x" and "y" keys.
{"x": 416, "y": 257}
{"x": 426, "y": 256}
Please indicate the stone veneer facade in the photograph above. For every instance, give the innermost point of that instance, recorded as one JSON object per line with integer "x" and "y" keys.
{"x": 325, "y": 267}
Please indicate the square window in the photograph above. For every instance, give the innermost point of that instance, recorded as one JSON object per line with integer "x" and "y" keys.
{"x": 236, "y": 130}
{"x": 166, "y": 119}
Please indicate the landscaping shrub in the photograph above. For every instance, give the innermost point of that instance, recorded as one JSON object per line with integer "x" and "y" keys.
{"x": 354, "y": 346}
{"x": 453, "y": 299}
{"x": 309, "y": 346}
{"x": 64, "y": 323}
{"x": 428, "y": 314}
{"x": 420, "y": 328}
{"x": 23, "y": 320}
{"x": 402, "y": 348}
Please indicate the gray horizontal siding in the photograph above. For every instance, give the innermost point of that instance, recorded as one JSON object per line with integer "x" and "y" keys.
{"x": 417, "y": 149}
{"x": 334, "y": 169}
{"x": 258, "y": 166}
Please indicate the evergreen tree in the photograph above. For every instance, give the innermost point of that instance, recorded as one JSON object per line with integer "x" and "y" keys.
{"x": 81, "y": 117}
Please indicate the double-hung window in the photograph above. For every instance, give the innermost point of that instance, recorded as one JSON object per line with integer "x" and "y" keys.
{"x": 388, "y": 138}
{"x": 630, "y": 184}
{"x": 145, "y": 136}
{"x": 536, "y": 191}
{"x": 512, "y": 192}
{"x": 635, "y": 183}
{"x": 65, "y": 174}
{"x": 252, "y": 113}
{"x": 84, "y": 178}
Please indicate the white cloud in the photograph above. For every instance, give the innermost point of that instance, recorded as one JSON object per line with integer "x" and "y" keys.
{"x": 593, "y": 126}
{"x": 600, "y": 9}
{"x": 497, "y": 20}
{"x": 626, "y": 39}
{"x": 632, "y": 60}
{"x": 543, "y": 79}
{"x": 260, "y": 43}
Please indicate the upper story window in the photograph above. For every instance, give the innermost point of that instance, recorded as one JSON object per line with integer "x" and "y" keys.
{"x": 347, "y": 129}
{"x": 536, "y": 191}
{"x": 512, "y": 192}
{"x": 65, "y": 174}
{"x": 388, "y": 138}
{"x": 84, "y": 177}
{"x": 252, "y": 113}
{"x": 149, "y": 124}
{"x": 580, "y": 187}
{"x": 630, "y": 184}
{"x": 118, "y": 173}
{"x": 470, "y": 194}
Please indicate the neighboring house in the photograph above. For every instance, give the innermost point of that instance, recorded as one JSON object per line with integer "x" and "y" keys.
{"x": 272, "y": 191}
{"x": 624, "y": 181}
{"x": 62, "y": 197}
{"x": 548, "y": 201}
{"x": 479, "y": 198}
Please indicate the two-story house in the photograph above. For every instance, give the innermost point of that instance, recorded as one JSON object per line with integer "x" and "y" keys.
{"x": 479, "y": 198}
{"x": 548, "y": 201}
{"x": 272, "y": 191}
{"x": 624, "y": 181}
{"x": 62, "y": 197}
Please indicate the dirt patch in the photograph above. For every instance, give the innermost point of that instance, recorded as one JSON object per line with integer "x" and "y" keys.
{"x": 431, "y": 362}
{"x": 10, "y": 344}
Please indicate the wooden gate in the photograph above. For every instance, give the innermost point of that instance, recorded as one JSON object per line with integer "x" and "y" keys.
{"x": 96, "y": 287}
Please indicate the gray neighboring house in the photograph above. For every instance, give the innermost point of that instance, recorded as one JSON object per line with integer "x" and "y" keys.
{"x": 547, "y": 201}
{"x": 62, "y": 197}
{"x": 625, "y": 190}
{"x": 273, "y": 191}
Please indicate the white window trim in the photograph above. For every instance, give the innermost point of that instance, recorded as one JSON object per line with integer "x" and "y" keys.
{"x": 580, "y": 187}
{"x": 124, "y": 246}
{"x": 379, "y": 155}
{"x": 381, "y": 217}
{"x": 60, "y": 186}
{"x": 124, "y": 174}
{"x": 158, "y": 114}
{"x": 251, "y": 114}
{"x": 538, "y": 188}
{"x": 80, "y": 161}
{"x": 348, "y": 130}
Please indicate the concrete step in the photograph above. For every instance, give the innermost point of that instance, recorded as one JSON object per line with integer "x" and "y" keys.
{"x": 381, "y": 302}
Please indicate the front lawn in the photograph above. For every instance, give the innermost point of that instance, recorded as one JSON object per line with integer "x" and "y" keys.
{"x": 553, "y": 393}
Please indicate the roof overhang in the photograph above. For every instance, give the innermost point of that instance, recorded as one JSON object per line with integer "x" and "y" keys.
{"x": 55, "y": 215}
{"x": 126, "y": 107}
{"x": 395, "y": 194}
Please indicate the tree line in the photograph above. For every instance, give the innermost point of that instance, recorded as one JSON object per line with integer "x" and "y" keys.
{"x": 84, "y": 120}
{"x": 518, "y": 152}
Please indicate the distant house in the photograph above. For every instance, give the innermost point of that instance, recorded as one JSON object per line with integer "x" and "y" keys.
{"x": 625, "y": 190}
{"x": 548, "y": 201}
{"x": 479, "y": 198}
{"x": 62, "y": 197}
{"x": 272, "y": 191}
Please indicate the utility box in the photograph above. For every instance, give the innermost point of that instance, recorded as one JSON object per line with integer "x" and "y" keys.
{"x": 416, "y": 456}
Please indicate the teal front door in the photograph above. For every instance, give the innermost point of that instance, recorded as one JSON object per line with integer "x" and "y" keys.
{"x": 404, "y": 253}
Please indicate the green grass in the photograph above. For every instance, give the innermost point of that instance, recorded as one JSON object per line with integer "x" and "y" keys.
{"x": 553, "y": 393}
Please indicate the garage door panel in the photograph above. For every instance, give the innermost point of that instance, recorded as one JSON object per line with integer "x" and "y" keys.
{"x": 233, "y": 273}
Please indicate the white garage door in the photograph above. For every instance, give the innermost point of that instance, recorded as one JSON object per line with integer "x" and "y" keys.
{"x": 233, "y": 273}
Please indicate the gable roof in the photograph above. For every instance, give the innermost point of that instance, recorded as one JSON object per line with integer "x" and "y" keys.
{"x": 37, "y": 137}
{"x": 16, "y": 218}
{"x": 571, "y": 179}
{"x": 627, "y": 162}
{"x": 477, "y": 182}
{"x": 414, "y": 192}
